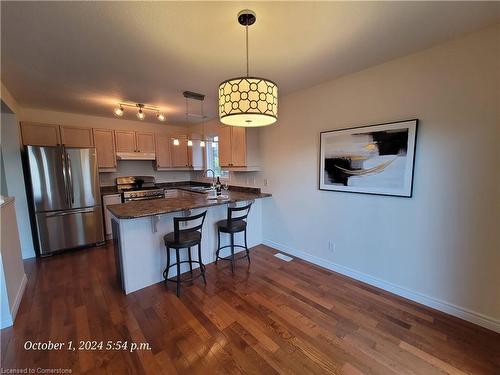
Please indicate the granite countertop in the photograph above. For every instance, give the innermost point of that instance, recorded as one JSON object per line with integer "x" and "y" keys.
{"x": 185, "y": 200}
{"x": 109, "y": 190}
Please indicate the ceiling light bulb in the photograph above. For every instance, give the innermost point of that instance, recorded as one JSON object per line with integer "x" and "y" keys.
{"x": 118, "y": 111}
{"x": 176, "y": 142}
{"x": 190, "y": 142}
{"x": 202, "y": 144}
{"x": 141, "y": 115}
{"x": 160, "y": 116}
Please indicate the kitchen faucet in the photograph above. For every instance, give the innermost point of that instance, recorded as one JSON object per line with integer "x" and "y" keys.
{"x": 205, "y": 174}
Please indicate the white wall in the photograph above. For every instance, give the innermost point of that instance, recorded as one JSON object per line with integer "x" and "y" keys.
{"x": 12, "y": 273}
{"x": 441, "y": 247}
{"x": 125, "y": 167}
{"x": 14, "y": 179}
{"x": 5, "y": 314}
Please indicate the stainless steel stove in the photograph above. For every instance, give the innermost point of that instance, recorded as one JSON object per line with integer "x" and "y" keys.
{"x": 138, "y": 188}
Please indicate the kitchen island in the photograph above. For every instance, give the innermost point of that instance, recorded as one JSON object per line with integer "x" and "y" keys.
{"x": 139, "y": 227}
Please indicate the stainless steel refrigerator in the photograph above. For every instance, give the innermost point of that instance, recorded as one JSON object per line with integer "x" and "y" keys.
{"x": 66, "y": 197}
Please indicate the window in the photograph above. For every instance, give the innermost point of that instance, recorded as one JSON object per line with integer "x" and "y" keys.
{"x": 212, "y": 156}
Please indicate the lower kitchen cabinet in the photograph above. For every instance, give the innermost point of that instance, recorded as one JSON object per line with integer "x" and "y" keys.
{"x": 106, "y": 201}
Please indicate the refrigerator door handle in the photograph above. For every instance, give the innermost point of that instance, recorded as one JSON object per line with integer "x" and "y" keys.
{"x": 70, "y": 179}
{"x": 72, "y": 212}
{"x": 65, "y": 176}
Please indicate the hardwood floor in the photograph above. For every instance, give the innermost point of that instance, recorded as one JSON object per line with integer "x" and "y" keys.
{"x": 270, "y": 317}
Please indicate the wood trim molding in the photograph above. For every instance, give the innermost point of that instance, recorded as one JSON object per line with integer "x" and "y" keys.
{"x": 19, "y": 297}
{"x": 443, "y": 306}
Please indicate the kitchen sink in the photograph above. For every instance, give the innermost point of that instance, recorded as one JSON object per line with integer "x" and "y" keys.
{"x": 177, "y": 193}
{"x": 200, "y": 188}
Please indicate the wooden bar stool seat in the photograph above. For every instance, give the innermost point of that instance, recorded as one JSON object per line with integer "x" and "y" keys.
{"x": 184, "y": 239}
{"x": 234, "y": 227}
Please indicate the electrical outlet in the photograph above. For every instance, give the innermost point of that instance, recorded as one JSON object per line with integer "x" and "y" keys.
{"x": 331, "y": 246}
{"x": 265, "y": 181}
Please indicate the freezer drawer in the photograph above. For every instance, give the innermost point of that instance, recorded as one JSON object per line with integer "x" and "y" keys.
{"x": 69, "y": 229}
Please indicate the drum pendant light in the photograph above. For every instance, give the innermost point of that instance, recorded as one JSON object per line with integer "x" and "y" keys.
{"x": 248, "y": 101}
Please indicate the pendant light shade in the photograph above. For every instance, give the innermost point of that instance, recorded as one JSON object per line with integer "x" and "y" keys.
{"x": 248, "y": 101}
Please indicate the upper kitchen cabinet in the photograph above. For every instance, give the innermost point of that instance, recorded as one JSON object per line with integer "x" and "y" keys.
{"x": 73, "y": 136}
{"x": 181, "y": 155}
{"x": 105, "y": 146}
{"x": 125, "y": 141}
{"x": 37, "y": 134}
{"x": 130, "y": 142}
{"x": 238, "y": 148}
{"x": 180, "y": 158}
{"x": 145, "y": 142}
{"x": 163, "y": 146}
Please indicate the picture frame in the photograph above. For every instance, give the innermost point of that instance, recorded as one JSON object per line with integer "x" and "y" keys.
{"x": 374, "y": 159}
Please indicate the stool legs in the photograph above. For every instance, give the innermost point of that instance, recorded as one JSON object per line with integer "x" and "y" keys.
{"x": 218, "y": 247}
{"x": 232, "y": 252}
{"x": 178, "y": 273}
{"x": 190, "y": 262}
{"x": 202, "y": 266}
{"x": 165, "y": 273}
{"x": 246, "y": 247}
{"x": 231, "y": 258}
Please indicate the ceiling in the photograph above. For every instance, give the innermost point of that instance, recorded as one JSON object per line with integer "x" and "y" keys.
{"x": 84, "y": 57}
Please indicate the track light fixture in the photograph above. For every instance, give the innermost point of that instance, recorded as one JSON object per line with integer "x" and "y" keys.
{"x": 141, "y": 115}
{"x": 118, "y": 111}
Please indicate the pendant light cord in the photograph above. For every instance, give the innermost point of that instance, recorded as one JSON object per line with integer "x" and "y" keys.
{"x": 246, "y": 31}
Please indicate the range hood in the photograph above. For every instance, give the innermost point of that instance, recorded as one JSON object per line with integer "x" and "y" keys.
{"x": 135, "y": 155}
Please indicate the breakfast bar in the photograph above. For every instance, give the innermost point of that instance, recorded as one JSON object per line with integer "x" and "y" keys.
{"x": 139, "y": 228}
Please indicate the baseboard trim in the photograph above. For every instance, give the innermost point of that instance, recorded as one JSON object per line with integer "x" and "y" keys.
{"x": 19, "y": 297}
{"x": 6, "y": 323}
{"x": 443, "y": 306}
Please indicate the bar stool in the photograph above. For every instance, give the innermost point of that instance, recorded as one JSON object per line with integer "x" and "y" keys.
{"x": 233, "y": 225}
{"x": 184, "y": 239}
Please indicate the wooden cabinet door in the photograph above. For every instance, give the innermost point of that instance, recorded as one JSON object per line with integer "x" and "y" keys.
{"x": 125, "y": 141}
{"x": 163, "y": 146}
{"x": 40, "y": 134}
{"x": 145, "y": 142}
{"x": 180, "y": 154}
{"x": 72, "y": 136}
{"x": 238, "y": 147}
{"x": 109, "y": 200}
{"x": 225, "y": 158}
{"x": 105, "y": 147}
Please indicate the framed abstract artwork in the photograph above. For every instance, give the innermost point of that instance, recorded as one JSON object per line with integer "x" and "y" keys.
{"x": 374, "y": 159}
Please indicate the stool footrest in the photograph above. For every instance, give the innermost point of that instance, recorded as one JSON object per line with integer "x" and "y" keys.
{"x": 186, "y": 261}
{"x": 230, "y": 259}
{"x": 174, "y": 280}
{"x": 225, "y": 247}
